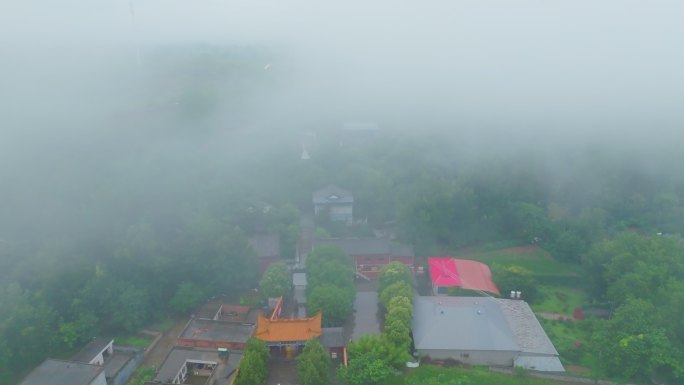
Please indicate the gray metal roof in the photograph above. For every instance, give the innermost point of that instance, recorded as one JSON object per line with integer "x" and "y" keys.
{"x": 333, "y": 337}
{"x": 92, "y": 349}
{"x": 332, "y": 194}
{"x": 526, "y": 328}
{"x": 461, "y": 323}
{"x": 368, "y": 246}
{"x": 483, "y": 323}
{"x": 57, "y": 372}
{"x": 178, "y": 356}
{"x": 265, "y": 245}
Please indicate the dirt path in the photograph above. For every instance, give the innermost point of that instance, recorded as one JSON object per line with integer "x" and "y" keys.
{"x": 156, "y": 356}
{"x": 555, "y": 316}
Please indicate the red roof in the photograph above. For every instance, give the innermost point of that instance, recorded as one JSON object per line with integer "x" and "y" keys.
{"x": 465, "y": 273}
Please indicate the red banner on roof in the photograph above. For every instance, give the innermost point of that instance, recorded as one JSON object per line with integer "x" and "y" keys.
{"x": 465, "y": 273}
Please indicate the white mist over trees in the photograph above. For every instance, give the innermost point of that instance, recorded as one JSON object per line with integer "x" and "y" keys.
{"x": 127, "y": 186}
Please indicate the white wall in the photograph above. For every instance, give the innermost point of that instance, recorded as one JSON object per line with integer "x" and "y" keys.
{"x": 99, "y": 380}
{"x": 474, "y": 357}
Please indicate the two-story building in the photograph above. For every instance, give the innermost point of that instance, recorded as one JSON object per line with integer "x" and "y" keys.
{"x": 369, "y": 255}
{"x": 335, "y": 203}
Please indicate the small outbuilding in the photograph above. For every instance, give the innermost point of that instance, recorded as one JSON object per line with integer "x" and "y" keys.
{"x": 335, "y": 203}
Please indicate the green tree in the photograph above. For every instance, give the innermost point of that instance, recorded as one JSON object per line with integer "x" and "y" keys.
{"x": 327, "y": 253}
{"x": 80, "y": 330}
{"x": 398, "y": 333}
{"x": 392, "y": 273}
{"x": 334, "y": 303}
{"x": 254, "y": 364}
{"x": 399, "y": 313}
{"x": 527, "y": 221}
{"x": 633, "y": 265}
{"x": 397, "y": 289}
{"x": 634, "y": 344}
{"x": 515, "y": 278}
{"x": 276, "y": 281}
{"x": 187, "y": 297}
{"x": 379, "y": 346}
{"x": 365, "y": 369}
{"x": 132, "y": 309}
{"x": 314, "y": 364}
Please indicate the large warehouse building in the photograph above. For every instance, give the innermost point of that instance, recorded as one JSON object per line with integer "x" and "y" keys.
{"x": 482, "y": 331}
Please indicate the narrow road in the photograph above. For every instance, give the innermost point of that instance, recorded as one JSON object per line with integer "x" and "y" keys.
{"x": 156, "y": 356}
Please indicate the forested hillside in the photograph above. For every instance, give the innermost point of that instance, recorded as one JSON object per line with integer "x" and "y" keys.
{"x": 112, "y": 222}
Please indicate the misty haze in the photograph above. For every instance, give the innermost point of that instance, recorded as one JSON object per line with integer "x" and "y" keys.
{"x": 341, "y": 192}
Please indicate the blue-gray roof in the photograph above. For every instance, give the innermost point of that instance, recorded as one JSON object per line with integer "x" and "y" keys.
{"x": 96, "y": 346}
{"x": 178, "y": 356}
{"x": 461, "y": 323}
{"x": 483, "y": 323}
{"x": 57, "y": 372}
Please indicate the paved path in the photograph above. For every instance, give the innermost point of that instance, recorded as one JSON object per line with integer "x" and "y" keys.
{"x": 156, "y": 356}
{"x": 282, "y": 371}
{"x": 365, "y": 315}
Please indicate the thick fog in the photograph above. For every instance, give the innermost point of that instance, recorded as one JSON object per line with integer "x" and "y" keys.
{"x": 92, "y": 87}
{"x": 579, "y": 67}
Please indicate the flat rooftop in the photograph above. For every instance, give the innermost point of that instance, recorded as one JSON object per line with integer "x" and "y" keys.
{"x": 210, "y": 330}
{"x": 223, "y": 373}
{"x": 116, "y": 362}
{"x": 57, "y": 372}
{"x": 94, "y": 347}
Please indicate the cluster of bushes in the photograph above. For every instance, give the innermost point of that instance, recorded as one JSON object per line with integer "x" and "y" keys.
{"x": 373, "y": 359}
{"x": 276, "y": 281}
{"x": 313, "y": 365}
{"x": 396, "y": 294}
{"x": 330, "y": 284}
{"x": 254, "y": 364}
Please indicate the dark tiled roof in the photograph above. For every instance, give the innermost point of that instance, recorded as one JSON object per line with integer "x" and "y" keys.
{"x": 94, "y": 347}
{"x": 57, "y": 372}
{"x": 332, "y": 194}
{"x": 178, "y": 356}
{"x": 368, "y": 246}
{"x": 265, "y": 245}
{"x": 333, "y": 337}
{"x": 116, "y": 362}
{"x": 210, "y": 330}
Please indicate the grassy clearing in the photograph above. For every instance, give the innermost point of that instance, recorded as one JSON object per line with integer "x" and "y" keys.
{"x": 537, "y": 260}
{"x": 464, "y": 375}
{"x": 560, "y": 299}
{"x": 572, "y": 339}
{"x": 558, "y": 286}
{"x": 134, "y": 340}
{"x": 164, "y": 325}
